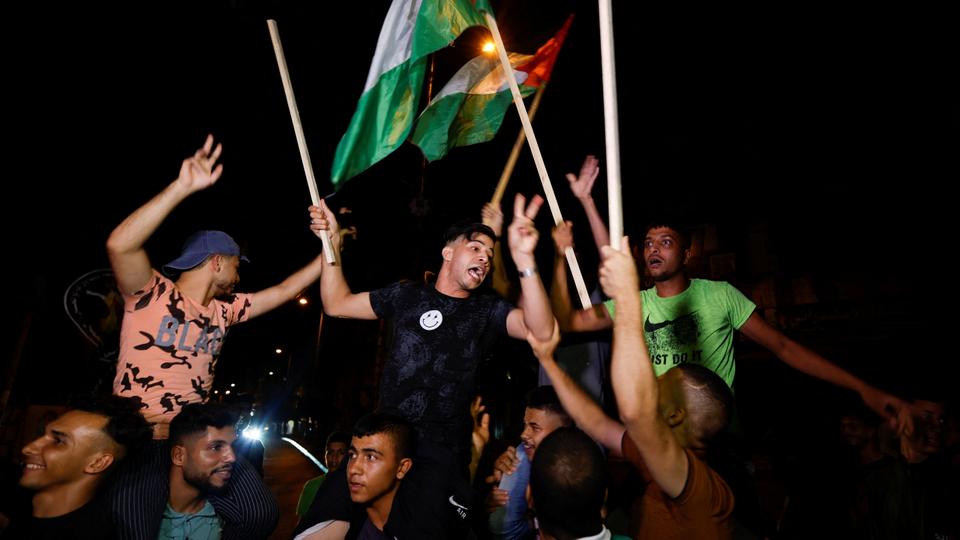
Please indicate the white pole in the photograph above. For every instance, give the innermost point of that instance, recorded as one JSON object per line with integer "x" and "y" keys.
{"x": 611, "y": 132}
{"x": 298, "y": 129}
{"x": 537, "y": 158}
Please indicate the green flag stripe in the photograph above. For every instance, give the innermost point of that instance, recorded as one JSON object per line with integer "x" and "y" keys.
{"x": 381, "y": 122}
{"x": 386, "y": 110}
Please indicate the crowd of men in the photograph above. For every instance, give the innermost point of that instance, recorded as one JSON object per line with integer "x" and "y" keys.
{"x": 158, "y": 459}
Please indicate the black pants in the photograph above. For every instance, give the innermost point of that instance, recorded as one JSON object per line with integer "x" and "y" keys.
{"x": 138, "y": 494}
{"x": 434, "y": 500}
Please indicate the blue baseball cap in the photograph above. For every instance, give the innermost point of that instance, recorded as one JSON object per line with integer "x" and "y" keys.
{"x": 201, "y": 245}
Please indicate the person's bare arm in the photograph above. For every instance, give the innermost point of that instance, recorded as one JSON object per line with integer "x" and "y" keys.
{"x": 338, "y": 299}
{"x": 559, "y": 287}
{"x": 806, "y": 361}
{"x": 569, "y": 318}
{"x": 634, "y": 383}
{"x": 129, "y": 260}
{"x": 582, "y": 187}
{"x": 269, "y": 298}
{"x": 535, "y": 315}
{"x": 492, "y": 217}
{"x": 579, "y": 405}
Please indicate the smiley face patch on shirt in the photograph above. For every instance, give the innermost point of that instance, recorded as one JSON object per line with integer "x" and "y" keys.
{"x": 431, "y": 320}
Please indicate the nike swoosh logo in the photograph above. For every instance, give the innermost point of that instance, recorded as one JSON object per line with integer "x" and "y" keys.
{"x": 650, "y": 327}
{"x": 453, "y": 502}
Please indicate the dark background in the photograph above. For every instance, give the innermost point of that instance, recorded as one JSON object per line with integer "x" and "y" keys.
{"x": 817, "y": 147}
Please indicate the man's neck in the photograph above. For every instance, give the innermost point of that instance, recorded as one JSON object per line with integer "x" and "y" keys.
{"x": 673, "y": 286}
{"x": 446, "y": 285}
{"x": 184, "y": 498}
{"x": 379, "y": 510}
{"x": 689, "y": 441}
{"x": 195, "y": 288}
{"x": 62, "y": 499}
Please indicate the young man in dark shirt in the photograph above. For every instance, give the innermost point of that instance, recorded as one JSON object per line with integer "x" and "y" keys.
{"x": 440, "y": 333}
{"x": 66, "y": 466}
{"x": 380, "y": 456}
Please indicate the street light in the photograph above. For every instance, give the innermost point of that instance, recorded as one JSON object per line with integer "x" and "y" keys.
{"x": 278, "y": 350}
{"x": 303, "y": 301}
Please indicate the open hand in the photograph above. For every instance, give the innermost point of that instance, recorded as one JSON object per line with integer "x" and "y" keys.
{"x": 200, "y": 170}
{"x": 582, "y": 184}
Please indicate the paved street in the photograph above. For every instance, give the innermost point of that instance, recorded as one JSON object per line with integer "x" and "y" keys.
{"x": 285, "y": 470}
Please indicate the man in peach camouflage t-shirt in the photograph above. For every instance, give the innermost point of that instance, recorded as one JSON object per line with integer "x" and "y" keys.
{"x": 171, "y": 344}
{"x": 172, "y": 331}
{"x": 171, "y": 336}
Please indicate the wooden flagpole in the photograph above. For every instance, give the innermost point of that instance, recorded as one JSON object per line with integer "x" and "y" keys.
{"x": 537, "y": 158}
{"x": 298, "y": 129}
{"x": 515, "y": 152}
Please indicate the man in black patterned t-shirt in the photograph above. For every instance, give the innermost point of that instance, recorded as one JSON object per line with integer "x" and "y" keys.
{"x": 440, "y": 333}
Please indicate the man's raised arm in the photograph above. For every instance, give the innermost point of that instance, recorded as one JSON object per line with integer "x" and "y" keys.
{"x": 535, "y": 314}
{"x": 129, "y": 260}
{"x": 338, "y": 300}
{"x": 634, "y": 383}
{"x": 271, "y": 297}
{"x": 579, "y": 405}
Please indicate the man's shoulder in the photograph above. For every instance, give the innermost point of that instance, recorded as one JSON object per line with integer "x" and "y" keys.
{"x": 705, "y": 483}
{"x": 402, "y": 286}
{"x": 158, "y": 282}
{"x": 233, "y": 299}
{"x": 709, "y": 284}
{"x": 714, "y": 290}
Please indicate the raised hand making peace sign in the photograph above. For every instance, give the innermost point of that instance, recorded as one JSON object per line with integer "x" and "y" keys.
{"x": 522, "y": 235}
{"x": 197, "y": 171}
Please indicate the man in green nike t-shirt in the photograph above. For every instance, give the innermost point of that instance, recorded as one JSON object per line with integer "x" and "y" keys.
{"x": 693, "y": 320}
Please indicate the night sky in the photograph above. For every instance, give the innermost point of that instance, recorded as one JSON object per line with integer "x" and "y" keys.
{"x": 833, "y": 133}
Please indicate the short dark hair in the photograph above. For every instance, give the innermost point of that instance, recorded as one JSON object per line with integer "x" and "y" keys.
{"x": 468, "y": 230}
{"x": 544, "y": 398}
{"x": 399, "y": 430}
{"x": 197, "y": 417}
{"x": 714, "y": 393}
{"x": 338, "y": 436}
{"x": 568, "y": 484}
{"x": 125, "y": 425}
{"x": 672, "y": 224}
